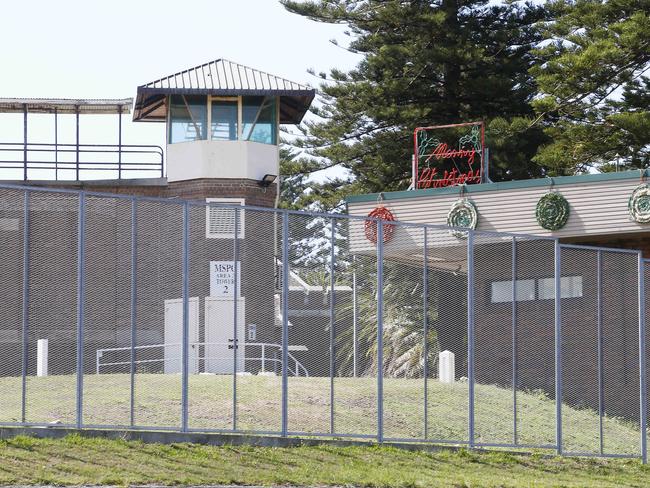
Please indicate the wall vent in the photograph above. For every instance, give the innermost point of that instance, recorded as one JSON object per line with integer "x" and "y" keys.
{"x": 220, "y": 220}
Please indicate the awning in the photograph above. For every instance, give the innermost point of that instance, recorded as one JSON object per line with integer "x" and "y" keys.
{"x": 66, "y": 106}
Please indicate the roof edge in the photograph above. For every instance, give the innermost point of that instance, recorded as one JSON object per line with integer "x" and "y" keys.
{"x": 219, "y": 60}
{"x": 502, "y": 185}
{"x": 224, "y": 91}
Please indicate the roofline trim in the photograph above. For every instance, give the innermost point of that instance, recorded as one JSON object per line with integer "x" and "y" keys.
{"x": 147, "y": 85}
{"x": 224, "y": 91}
{"x": 504, "y": 185}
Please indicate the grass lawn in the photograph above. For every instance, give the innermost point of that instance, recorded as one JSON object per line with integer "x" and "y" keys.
{"x": 76, "y": 460}
{"x": 158, "y": 396}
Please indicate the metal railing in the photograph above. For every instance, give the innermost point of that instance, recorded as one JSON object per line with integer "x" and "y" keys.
{"x": 549, "y": 339}
{"x": 19, "y": 161}
{"x": 263, "y": 360}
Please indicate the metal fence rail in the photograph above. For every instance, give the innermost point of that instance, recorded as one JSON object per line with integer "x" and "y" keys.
{"x": 123, "y": 312}
{"x": 20, "y": 161}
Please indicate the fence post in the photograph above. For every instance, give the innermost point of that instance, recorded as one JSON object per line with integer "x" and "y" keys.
{"x": 558, "y": 346}
{"x": 380, "y": 331}
{"x": 425, "y": 318}
{"x": 355, "y": 349}
{"x": 642, "y": 362}
{"x": 599, "y": 324}
{"x": 119, "y": 142}
{"x": 25, "y": 335}
{"x": 24, "y": 142}
{"x": 134, "y": 284}
{"x": 470, "y": 332}
{"x": 186, "y": 320}
{"x": 81, "y": 293}
{"x": 285, "y": 321}
{"x": 515, "y": 351}
{"x": 235, "y": 342}
{"x": 77, "y": 144}
{"x": 332, "y": 323}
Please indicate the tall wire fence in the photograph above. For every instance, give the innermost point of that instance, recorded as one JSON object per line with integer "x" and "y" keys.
{"x": 142, "y": 313}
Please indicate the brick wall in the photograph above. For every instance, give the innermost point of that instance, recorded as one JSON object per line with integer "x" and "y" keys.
{"x": 198, "y": 189}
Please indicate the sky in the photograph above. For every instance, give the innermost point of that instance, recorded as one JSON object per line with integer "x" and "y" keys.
{"x": 105, "y": 49}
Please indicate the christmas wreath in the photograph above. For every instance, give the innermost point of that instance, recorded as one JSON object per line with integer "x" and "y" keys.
{"x": 552, "y": 211}
{"x": 639, "y": 204}
{"x": 463, "y": 213}
{"x": 370, "y": 226}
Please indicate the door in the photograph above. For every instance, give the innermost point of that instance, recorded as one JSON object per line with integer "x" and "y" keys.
{"x": 219, "y": 335}
{"x": 174, "y": 335}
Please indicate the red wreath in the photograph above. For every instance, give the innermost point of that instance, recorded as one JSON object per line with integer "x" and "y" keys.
{"x": 370, "y": 226}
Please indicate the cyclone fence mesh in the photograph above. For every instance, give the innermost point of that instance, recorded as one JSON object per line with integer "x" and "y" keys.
{"x": 136, "y": 312}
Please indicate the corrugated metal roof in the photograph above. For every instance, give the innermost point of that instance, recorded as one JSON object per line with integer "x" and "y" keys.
{"x": 226, "y": 75}
{"x": 225, "y": 78}
{"x": 66, "y": 105}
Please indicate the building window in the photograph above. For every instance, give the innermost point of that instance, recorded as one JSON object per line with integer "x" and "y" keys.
{"x": 258, "y": 119}
{"x": 570, "y": 287}
{"x": 220, "y": 219}
{"x": 224, "y": 120}
{"x": 252, "y": 332}
{"x": 502, "y": 291}
{"x": 188, "y": 118}
{"x": 247, "y": 118}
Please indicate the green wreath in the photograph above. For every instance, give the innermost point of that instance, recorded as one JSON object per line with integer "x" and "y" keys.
{"x": 552, "y": 211}
{"x": 639, "y": 204}
{"x": 462, "y": 213}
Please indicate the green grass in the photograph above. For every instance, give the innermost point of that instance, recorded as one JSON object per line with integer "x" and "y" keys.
{"x": 77, "y": 460}
{"x": 158, "y": 396}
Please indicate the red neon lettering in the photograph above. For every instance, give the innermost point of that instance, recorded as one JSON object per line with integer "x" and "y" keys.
{"x": 442, "y": 151}
{"x": 428, "y": 178}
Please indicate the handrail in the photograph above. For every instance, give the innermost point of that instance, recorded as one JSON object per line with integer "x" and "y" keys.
{"x": 298, "y": 366}
{"x": 128, "y": 158}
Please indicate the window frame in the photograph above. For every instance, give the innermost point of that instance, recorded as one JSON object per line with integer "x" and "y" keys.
{"x": 523, "y": 298}
{"x": 169, "y": 122}
{"x": 237, "y": 99}
{"x": 562, "y": 278}
{"x": 240, "y": 123}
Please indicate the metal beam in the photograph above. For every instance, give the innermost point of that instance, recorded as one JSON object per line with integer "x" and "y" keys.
{"x": 470, "y": 332}
{"x": 558, "y": 347}
{"x": 81, "y": 303}
{"x": 643, "y": 393}
{"x": 25, "y": 310}
{"x": 380, "y": 331}
{"x": 24, "y": 142}
{"x": 77, "y": 143}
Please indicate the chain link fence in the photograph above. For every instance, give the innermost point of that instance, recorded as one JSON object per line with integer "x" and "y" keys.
{"x": 134, "y": 312}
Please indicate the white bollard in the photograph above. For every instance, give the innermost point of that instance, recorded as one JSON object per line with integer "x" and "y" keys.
{"x": 41, "y": 357}
{"x": 446, "y": 367}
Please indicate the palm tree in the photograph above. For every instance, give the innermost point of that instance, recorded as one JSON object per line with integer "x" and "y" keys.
{"x": 403, "y": 321}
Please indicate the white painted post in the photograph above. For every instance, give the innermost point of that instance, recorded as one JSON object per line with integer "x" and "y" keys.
{"x": 41, "y": 357}
{"x": 446, "y": 367}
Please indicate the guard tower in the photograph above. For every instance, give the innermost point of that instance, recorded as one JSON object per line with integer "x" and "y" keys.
{"x": 222, "y": 121}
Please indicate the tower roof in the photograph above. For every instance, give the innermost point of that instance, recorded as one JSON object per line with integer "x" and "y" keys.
{"x": 222, "y": 78}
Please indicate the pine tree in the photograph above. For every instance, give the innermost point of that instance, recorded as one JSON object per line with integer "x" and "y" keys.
{"x": 592, "y": 75}
{"x": 423, "y": 63}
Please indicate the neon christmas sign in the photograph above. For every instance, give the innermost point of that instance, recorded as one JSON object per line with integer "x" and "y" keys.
{"x": 438, "y": 164}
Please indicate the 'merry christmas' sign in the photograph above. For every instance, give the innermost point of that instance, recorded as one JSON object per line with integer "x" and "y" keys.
{"x": 438, "y": 164}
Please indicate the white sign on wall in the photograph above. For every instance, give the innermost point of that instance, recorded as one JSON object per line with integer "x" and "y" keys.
{"x": 222, "y": 278}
